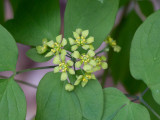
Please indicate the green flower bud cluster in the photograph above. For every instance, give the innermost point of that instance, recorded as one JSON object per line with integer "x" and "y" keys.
{"x": 87, "y": 62}
{"x": 80, "y": 40}
{"x": 112, "y": 43}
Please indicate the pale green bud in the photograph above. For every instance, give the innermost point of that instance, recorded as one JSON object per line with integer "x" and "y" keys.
{"x": 93, "y": 76}
{"x": 50, "y": 43}
{"x": 64, "y": 42}
{"x": 44, "y": 41}
{"x": 117, "y": 48}
{"x": 85, "y": 33}
{"x": 76, "y": 35}
{"x": 77, "y": 81}
{"x": 69, "y": 87}
{"x": 63, "y": 52}
{"x": 78, "y": 31}
{"x": 64, "y": 76}
{"x": 70, "y": 62}
{"x": 92, "y": 62}
{"x": 71, "y": 41}
{"x": 83, "y": 83}
{"x": 90, "y": 40}
{"x": 63, "y": 57}
{"x": 87, "y": 67}
{"x": 59, "y": 38}
{"x": 104, "y": 65}
{"x": 91, "y": 53}
{"x": 91, "y": 47}
{"x": 56, "y": 69}
{"x": 103, "y": 58}
{"x": 41, "y": 49}
{"x": 78, "y": 64}
{"x": 85, "y": 47}
{"x": 56, "y": 59}
{"x": 74, "y": 47}
{"x": 71, "y": 71}
{"x": 97, "y": 68}
{"x": 49, "y": 54}
{"x": 76, "y": 54}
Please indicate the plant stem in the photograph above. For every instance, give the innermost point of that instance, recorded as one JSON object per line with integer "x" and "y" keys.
{"x": 143, "y": 93}
{"x": 150, "y": 108}
{"x": 26, "y": 83}
{"x": 31, "y": 69}
{"x": 104, "y": 77}
{"x": 103, "y": 50}
{"x": 19, "y": 81}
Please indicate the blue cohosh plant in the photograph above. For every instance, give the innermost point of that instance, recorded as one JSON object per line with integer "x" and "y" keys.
{"x": 88, "y": 62}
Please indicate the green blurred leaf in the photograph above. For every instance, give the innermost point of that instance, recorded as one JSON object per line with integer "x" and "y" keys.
{"x": 54, "y": 103}
{"x": 8, "y": 51}
{"x": 35, "y": 20}
{"x": 118, "y": 107}
{"x": 119, "y": 62}
{"x": 32, "y": 54}
{"x": 1, "y": 11}
{"x": 150, "y": 101}
{"x": 145, "y": 54}
{"x": 14, "y": 4}
{"x": 146, "y": 7}
{"x": 123, "y": 2}
{"x": 93, "y": 15}
{"x": 12, "y": 101}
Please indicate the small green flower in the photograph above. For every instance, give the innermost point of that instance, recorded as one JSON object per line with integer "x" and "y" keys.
{"x": 80, "y": 39}
{"x": 84, "y": 79}
{"x": 63, "y": 66}
{"x": 100, "y": 63}
{"x": 57, "y": 47}
{"x": 112, "y": 43}
{"x": 69, "y": 87}
{"x": 42, "y": 49}
{"x": 86, "y": 59}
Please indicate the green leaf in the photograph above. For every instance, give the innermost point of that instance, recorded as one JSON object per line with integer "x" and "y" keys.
{"x": 35, "y": 20}
{"x": 14, "y": 4}
{"x": 90, "y": 99}
{"x": 119, "y": 62}
{"x": 151, "y": 102}
{"x": 8, "y": 51}
{"x": 1, "y": 11}
{"x": 119, "y": 107}
{"x": 32, "y": 54}
{"x": 146, "y": 7}
{"x": 12, "y": 101}
{"x": 54, "y": 103}
{"x": 123, "y": 2}
{"x": 89, "y": 15}
{"x": 145, "y": 54}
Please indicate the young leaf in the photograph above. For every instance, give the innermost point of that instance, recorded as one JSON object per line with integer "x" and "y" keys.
{"x": 119, "y": 62}
{"x": 35, "y": 20}
{"x": 8, "y": 51}
{"x": 93, "y": 15}
{"x": 54, "y": 102}
{"x": 119, "y": 107}
{"x": 145, "y": 54}
{"x": 32, "y": 54}
{"x": 12, "y": 101}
